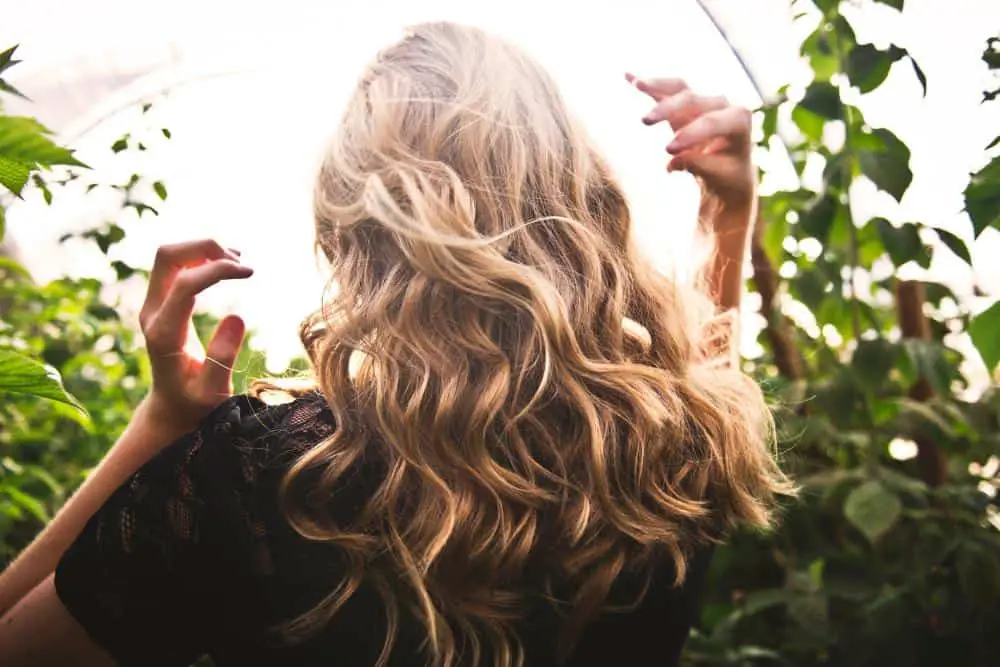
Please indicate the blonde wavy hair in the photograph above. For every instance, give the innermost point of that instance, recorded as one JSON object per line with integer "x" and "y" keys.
{"x": 540, "y": 395}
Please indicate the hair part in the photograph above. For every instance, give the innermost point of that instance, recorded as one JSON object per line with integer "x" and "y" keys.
{"x": 538, "y": 395}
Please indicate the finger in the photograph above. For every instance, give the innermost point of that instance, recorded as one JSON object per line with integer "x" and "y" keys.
{"x": 683, "y": 108}
{"x": 731, "y": 123}
{"x": 657, "y": 88}
{"x": 168, "y": 325}
{"x": 223, "y": 348}
{"x": 171, "y": 258}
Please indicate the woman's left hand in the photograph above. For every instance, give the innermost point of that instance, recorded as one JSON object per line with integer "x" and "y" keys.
{"x": 711, "y": 139}
{"x": 188, "y": 381}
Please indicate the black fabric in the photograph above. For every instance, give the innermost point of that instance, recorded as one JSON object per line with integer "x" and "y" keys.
{"x": 192, "y": 556}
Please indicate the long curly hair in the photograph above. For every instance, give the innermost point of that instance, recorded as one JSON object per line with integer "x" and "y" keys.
{"x": 543, "y": 401}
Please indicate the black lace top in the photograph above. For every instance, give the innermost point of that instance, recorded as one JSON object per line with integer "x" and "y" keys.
{"x": 192, "y": 557}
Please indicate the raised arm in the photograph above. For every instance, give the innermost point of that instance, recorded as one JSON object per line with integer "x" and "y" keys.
{"x": 712, "y": 142}
{"x": 187, "y": 384}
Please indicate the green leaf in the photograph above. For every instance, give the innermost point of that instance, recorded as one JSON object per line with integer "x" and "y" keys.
{"x": 106, "y": 238}
{"x": 11, "y": 90}
{"x": 921, "y": 77}
{"x": 22, "y": 375}
{"x": 993, "y": 144}
{"x": 984, "y": 330}
{"x": 955, "y": 244}
{"x": 886, "y": 162}
{"x": 165, "y": 132}
{"x": 902, "y": 243}
{"x": 896, "y": 4}
{"x": 773, "y": 239}
{"x": 29, "y": 504}
{"x": 13, "y": 175}
{"x": 817, "y": 220}
{"x": 913, "y": 418}
{"x": 872, "y": 361}
{"x": 982, "y": 197}
{"x": 122, "y": 270}
{"x": 6, "y": 59}
{"x": 868, "y": 67}
{"x": 120, "y": 144}
{"x": 161, "y": 189}
{"x": 819, "y": 49}
{"x": 991, "y": 55}
{"x": 930, "y": 362}
{"x": 823, "y": 99}
{"x": 141, "y": 208}
{"x": 809, "y": 123}
{"x": 810, "y": 287}
{"x": 10, "y": 266}
{"x": 6, "y": 62}
{"x": 25, "y": 140}
{"x": 872, "y": 509}
{"x": 762, "y": 600}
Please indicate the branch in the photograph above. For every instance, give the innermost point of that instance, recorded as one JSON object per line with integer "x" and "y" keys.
{"x": 777, "y": 329}
{"x": 913, "y": 325}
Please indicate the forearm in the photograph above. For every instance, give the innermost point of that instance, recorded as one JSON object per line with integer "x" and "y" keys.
{"x": 731, "y": 230}
{"x": 145, "y": 435}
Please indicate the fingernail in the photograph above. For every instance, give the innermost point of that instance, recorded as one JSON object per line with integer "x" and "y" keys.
{"x": 675, "y": 147}
{"x": 647, "y": 120}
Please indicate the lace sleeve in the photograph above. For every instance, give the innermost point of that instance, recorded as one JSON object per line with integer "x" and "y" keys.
{"x": 144, "y": 576}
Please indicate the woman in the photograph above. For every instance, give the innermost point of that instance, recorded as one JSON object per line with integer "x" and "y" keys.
{"x": 521, "y": 448}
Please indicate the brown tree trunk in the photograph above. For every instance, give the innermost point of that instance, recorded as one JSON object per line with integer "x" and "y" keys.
{"x": 778, "y": 331}
{"x": 913, "y": 324}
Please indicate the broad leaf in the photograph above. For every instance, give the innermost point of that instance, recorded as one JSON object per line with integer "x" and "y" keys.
{"x": 6, "y": 62}
{"x": 868, "y": 66}
{"x": 817, "y": 220}
{"x": 872, "y": 509}
{"x": 982, "y": 197}
{"x": 931, "y": 363}
{"x": 902, "y": 243}
{"x": 22, "y": 375}
{"x": 985, "y": 333}
{"x": 823, "y": 99}
{"x": 886, "y": 162}
{"x": 809, "y": 123}
{"x": 25, "y": 140}
{"x": 13, "y": 175}
{"x": 872, "y": 361}
{"x": 955, "y": 244}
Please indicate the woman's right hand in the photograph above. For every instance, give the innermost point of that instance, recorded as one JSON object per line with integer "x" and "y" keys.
{"x": 188, "y": 381}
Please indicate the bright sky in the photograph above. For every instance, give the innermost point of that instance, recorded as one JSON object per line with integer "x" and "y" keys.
{"x": 245, "y": 145}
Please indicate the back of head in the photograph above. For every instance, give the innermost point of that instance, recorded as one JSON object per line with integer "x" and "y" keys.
{"x": 529, "y": 381}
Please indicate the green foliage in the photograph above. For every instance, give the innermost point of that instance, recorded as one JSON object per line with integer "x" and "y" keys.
{"x": 22, "y": 375}
{"x": 25, "y": 144}
{"x": 982, "y": 197}
{"x": 881, "y": 561}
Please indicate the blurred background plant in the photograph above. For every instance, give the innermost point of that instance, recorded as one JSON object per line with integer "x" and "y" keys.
{"x": 892, "y": 555}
